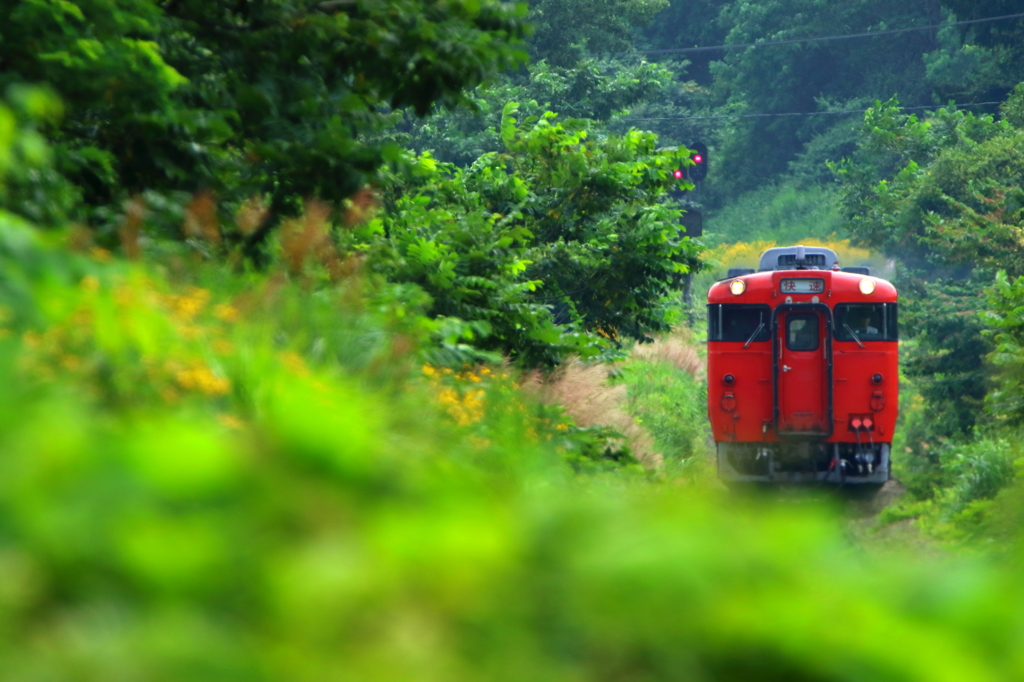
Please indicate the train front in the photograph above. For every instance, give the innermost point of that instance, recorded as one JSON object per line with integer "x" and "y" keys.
{"x": 803, "y": 371}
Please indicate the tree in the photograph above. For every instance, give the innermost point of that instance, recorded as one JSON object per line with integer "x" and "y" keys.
{"x": 273, "y": 97}
{"x": 566, "y": 30}
{"x": 943, "y": 190}
{"x": 592, "y": 89}
{"x": 560, "y": 226}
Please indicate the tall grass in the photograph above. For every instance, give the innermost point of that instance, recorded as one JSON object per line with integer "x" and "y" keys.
{"x": 591, "y": 400}
{"x": 667, "y": 394}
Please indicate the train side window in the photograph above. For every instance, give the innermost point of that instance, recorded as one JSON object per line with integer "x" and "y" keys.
{"x": 802, "y": 331}
{"x": 868, "y": 321}
{"x": 739, "y": 322}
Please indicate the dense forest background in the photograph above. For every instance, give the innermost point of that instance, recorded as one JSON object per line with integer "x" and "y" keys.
{"x": 359, "y": 339}
{"x": 899, "y": 148}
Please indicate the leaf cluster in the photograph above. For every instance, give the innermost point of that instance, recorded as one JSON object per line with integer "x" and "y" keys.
{"x": 562, "y": 227}
{"x": 275, "y": 97}
{"x": 943, "y": 191}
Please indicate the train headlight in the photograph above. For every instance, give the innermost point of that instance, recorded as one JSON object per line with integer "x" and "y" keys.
{"x": 737, "y": 287}
{"x": 867, "y": 286}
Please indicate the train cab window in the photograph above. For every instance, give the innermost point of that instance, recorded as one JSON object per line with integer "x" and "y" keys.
{"x": 739, "y": 322}
{"x": 802, "y": 331}
{"x": 866, "y": 322}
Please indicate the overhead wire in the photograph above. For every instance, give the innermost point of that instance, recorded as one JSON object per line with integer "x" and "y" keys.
{"x": 803, "y": 113}
{"x": 792, "y": 41}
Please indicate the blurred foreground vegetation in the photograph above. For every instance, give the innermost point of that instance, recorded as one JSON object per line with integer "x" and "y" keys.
{"x": 210, "y": 475}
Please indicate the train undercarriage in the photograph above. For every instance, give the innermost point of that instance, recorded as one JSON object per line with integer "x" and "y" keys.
{"x": 804, "y": 462}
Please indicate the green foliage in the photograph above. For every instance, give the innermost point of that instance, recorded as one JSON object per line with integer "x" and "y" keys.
{"x": 939, "y": 190}
{"x": 785, "y": 214}
{"x": 807, "y": 77}
{"x": 565, "y": 30}
{"x": 278, "y": 98}
{"x": 980, "y": 470}
{"x": 591, "y": 89}
{"x": 670, "y": 403}
{"x": 441, "y": 235}
{"x": 974, "y": 489}
{"x": 967, "y": 63}
{"x": 940, "y": 194}
{"x": 1005, "y": 321}
{"x": 946, "y": 362}
{"x": 560, "y": 220}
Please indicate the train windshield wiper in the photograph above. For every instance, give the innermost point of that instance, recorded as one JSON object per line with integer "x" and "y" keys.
{"x": 754, "y": 335}
{"x": 853, "y": 334}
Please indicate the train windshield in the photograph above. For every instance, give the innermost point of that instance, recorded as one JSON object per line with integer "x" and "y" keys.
{"x": 739, "y": 322}
{"x": 866, "y": 322}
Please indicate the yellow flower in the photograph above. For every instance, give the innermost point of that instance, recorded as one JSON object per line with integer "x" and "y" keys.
{"x": 188, "y": 305}
{"x": 223, "y": 347}
{"x": 71, "y": 362}
{"x": 230, "y": 421}
{"x": 31, "y": 339}
{"x": 226, "y": 313}
{"x": 124, "y": 295}
{"x": 201, "y": 378}
{"x": 465, "y": 410}
{"x": 294, "y": 362}
{"x": 90, "y": 283}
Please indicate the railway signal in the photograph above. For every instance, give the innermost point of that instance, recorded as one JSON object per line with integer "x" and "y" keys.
{"x": 699, "y": 155}
{"x": 693, "y": 221}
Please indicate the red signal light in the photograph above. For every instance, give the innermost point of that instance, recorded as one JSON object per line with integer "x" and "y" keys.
{"x": 678, "y": 174}
{"x": 697, "y": 158}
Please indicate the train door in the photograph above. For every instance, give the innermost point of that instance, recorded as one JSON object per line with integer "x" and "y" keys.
{"x": 802, "y": 376}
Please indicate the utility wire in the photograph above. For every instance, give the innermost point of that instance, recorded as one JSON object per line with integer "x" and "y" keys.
{"x": 848, "y": 36}
{"x": 802, "y": 113}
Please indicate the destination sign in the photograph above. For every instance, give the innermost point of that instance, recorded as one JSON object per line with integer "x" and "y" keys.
{"x": 804, "y": 285}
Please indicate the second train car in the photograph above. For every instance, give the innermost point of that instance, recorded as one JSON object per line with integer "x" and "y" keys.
{"x": 803, "y": 375}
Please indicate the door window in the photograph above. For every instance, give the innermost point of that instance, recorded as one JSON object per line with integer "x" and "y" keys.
{"x": 802, "y": 331}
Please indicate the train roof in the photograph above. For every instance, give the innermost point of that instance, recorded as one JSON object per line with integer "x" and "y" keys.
{"x": 788, "y": 257}
{"x": 780, "y": 267}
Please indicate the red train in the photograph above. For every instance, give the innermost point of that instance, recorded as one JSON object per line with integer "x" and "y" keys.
{"x": 803, "y": 372}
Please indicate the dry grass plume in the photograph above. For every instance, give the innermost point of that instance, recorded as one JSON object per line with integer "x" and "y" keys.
{"x": 583, "y": 390}
{"x": 676, "y": 349}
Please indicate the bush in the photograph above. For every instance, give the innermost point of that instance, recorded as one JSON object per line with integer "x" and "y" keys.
{"x": 563, "y": 226}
